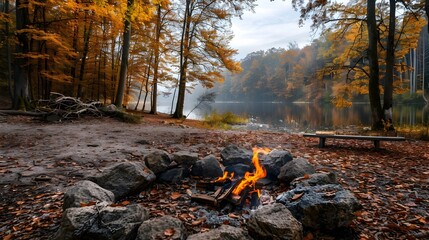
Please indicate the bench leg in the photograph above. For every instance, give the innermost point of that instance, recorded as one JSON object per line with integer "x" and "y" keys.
{"x": 322, "y": 142}
{"x": 377, "y": 144}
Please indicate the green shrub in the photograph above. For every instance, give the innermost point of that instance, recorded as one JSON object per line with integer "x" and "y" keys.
{"x": 224, "y": 120}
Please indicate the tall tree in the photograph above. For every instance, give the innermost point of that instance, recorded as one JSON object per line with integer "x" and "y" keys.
{"x": 125, "y": 53}
{"x": 390, "y": 66}
{"x": 204, "y": 43}
{"x": 21, "y": 80}
{"x": 374, "y": 72}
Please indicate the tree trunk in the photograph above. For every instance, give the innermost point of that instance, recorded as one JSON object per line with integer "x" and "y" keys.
{"x": 125, "y": 53}
{"x": 390, "y": 62}
{"x": 153, "y": 109}
{"x": 374, "y": 90}
{"x": 147, "y": 82}
{"x": 184, "y": 51}
{"x": 87, "y": 35}
{"x": 21, "y": 94}
{"x": 8, "y": 52}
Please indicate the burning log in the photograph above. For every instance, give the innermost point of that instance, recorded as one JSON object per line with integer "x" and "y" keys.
{"x": 237, "y": 192}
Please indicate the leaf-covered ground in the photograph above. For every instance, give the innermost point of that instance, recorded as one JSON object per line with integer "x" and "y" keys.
{"x": 38, "y": 160}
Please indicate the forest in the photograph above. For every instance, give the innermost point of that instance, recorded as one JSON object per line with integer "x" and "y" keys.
{"x": 332, "y": 68}
{"x": 117, "y": 51}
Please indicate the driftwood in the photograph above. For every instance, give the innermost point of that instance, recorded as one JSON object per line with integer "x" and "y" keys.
{"x": 59, "y": 107}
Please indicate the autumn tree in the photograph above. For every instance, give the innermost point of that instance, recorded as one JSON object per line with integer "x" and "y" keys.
{"x": 204, "y": 43}
{"x": 125, "y": 53}
{"x": 378, "y": 48}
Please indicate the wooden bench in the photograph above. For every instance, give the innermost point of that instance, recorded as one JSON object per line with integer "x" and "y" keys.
{"x": 375, "y": 139}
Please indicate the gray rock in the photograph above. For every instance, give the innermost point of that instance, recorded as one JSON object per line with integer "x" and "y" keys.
{"x": 84, "y": 192}
{"x": 125, "y": 178}
{"x": 173, "y": 175}
{"x": 274, "y": 221}
{"x": 208, "y": 167}
{"x": 273, "y": 161}
{"x": 158, "y": 161}
{"x": 165, "y": 227}
{"x": 111, "y": 108}
{"x": 315, "y": 179}
{"x": 102, "y": 222}
{"x": 324, "y": 207}
{"x": 185, "y": 158}
{"x": 239, "y": 169}
{"x": 298, "y": 167}
{"x": 224, "y": 232}
{"x": 234, "y": 155}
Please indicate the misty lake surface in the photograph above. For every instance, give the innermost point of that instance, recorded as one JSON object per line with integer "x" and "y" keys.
{"x": 309, "y": 116}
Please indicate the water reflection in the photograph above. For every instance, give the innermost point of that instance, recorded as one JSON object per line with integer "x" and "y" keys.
{"x": 316, "y": 116}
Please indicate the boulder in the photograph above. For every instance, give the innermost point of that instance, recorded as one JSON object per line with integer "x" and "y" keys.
{"x": 233, "y": 155}
{"x": 315, "y": 179}
{"x": 298, "y": 167}
{"x": 325, "y": 207}
{"x": 125, "y": 178}
{"x": 207, "y": 167}
{"x": 85, "y": 192}
{"x": 185, "y": 158}
{"x": 165, "y": 227}
{"x": 273, "y": 162}
{"x": 158, "y": 161}
{"x": 224, "y": 232}
{"x": 173, "y": 175}
{"x": 111, "y": 108}
{"x": 274, "y": 221}
{"x": 239, "y": 169}
{"x": 102, "y": 222}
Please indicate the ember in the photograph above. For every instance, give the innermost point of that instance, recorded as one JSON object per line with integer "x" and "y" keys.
{"x": 233, "y": 191}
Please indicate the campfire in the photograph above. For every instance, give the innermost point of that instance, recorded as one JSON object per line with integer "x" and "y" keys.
{"x": 236, "y": 191}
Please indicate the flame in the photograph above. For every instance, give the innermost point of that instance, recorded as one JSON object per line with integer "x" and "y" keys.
{"x": 224, "y": 177}
{"x": 251, "y": 178}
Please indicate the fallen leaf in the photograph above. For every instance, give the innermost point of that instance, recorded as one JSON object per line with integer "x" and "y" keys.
{"x": 198, "y": 222}
{"x": 84, "y": 204}
{"x": 8, "y": 237}
{"x": 169, "y": 232}
{"x": 193, "y": 209}
{"x": 232, "y": 215}
{"x": 297, "y": 196}
{"x": 125, "y": 203}
{"x": 175, "y": 195}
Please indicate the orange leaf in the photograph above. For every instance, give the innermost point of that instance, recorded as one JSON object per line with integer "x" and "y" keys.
{"x": 175, "y": 195}
{"x": 125, "y": 203}
{"x": 169, "y": 232}
{"x": 297, "y": 196}
{"x": 8, "y": 237}
{"x": 198, "y": 222}
{"x": 193, "y": 209}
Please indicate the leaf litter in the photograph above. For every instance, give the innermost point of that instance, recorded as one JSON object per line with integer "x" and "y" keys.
{"x": 391, "y": 183}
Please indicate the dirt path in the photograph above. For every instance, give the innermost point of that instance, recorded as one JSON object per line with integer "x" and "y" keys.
{"x": 38, "y": 160}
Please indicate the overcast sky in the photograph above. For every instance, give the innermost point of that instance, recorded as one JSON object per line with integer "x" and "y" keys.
{"x": 273, "y": 24}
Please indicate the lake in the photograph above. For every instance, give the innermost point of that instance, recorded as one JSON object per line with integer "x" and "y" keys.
{"x": 310, "y": 116}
